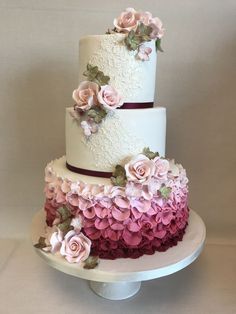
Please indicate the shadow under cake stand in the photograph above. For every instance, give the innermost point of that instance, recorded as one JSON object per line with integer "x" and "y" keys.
{"x": 121, "y": 278}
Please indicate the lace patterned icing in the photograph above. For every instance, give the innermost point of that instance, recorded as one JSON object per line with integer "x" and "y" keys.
{"x": 112, "y": 57}
{"x": 111, "y": 133}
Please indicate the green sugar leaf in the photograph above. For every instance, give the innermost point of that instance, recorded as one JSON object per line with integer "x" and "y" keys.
{"x": 91, "y": 262}
{"x": 97, "y": 114}
{"x": 93, "y": 74}
{"x": 158, "y": 45}
{"x": 64, "y": 212}
{"x": 41, "y": 243}
{"x": 148, "y": 153}
{"x": 165, "y": 192}
{"x": 65, "y": 225}
{"x": 119, "y": 176}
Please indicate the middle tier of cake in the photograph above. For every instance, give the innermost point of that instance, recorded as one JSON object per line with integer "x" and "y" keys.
{"x": 122, "y": 134}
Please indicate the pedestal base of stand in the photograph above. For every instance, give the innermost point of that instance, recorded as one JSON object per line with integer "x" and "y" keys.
{"x": 115, "y": 290}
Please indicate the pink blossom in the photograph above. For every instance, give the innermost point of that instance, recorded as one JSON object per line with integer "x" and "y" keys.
{"x": 77, "y": 223}
{"x": 56, "y": 241}
{"x": 154, "y": 185}
{"x": 127, "y": 21}
{"x": 139, "y": 169}
{"x": 75, "y": 247}
{"x": 161, "y": 168}
{"x": 109, "y": 98}
{"x": 144, "y": 52}
{"x": 157, "y": 28}
{"x": 85, "y": 95}
{"x": 133, "y": 190}
{"x": 89, "y": 127}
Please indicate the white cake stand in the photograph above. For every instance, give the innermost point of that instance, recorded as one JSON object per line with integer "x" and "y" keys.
{"x": 121, "y": 278}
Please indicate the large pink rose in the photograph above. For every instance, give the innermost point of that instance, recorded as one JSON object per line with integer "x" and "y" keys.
{"x": 162, "y": 167}
{"x": 139, "y": 169}
{"x": 126, "y": 21}
{"x": 157, "y": 28}
{"x": 109, "y": 98}
{"x": 85, "y": 95}
{"x": 75, "y": 247}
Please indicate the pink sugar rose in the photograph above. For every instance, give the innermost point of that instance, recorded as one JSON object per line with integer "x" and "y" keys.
{"x": 85, "y": 95}
{"x": 109, "y": 98}
{"x": 161, "y": 168}
{"x": 127, "y": 21}
{"x": 139, "y": 169}
{"x": 144, "y": 17}
{"x": 157, "y": 28}
{"x": 75, "y": 247}
{"x": 144, "y": 52}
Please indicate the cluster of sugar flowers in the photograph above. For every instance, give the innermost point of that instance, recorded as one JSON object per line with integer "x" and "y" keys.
{"x": 65, "y": 238}
{"x": 146, "y": 171}
{"x": 140, "y": 27}
{"x": 94, "y": 98}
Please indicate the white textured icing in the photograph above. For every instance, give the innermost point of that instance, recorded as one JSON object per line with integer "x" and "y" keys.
{"x": 120, "y": 136}
{"x": 133, "y": 78}
{"x": 58, "y": 167}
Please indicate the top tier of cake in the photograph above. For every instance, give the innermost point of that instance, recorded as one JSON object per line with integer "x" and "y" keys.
{"x": 132, "y": 77}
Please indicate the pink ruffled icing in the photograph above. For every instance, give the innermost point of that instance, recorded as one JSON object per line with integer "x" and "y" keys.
{"x": 128, "y": 221}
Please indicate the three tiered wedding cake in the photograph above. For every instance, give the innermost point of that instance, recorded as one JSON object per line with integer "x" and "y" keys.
{"x": 115, "y": 194}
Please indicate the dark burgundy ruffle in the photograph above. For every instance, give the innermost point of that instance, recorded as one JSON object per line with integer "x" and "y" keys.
{"x": 146, "y": 248}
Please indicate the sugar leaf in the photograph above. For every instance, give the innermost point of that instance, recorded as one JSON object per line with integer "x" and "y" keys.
{"x": 148, "y": 153}
{"x": 91, "y": 262}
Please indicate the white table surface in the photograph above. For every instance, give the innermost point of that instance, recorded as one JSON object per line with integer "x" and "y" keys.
{"x": 29, "y": 285}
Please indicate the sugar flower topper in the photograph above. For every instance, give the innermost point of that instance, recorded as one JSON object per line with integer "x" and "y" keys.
{"x": 94, "y": 99}
{"x": 147, "y": 172}
{"x": 139, "y": 27}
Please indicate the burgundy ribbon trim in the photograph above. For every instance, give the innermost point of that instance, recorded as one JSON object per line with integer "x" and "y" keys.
{"x": 136, "y": 105}
{"x": 91, "y": 173}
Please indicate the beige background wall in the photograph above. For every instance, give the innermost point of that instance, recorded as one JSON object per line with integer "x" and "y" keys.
{"x": 196, "y": 83}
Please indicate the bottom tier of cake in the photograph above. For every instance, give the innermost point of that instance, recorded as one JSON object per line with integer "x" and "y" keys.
{"x": 90, "y": 216}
